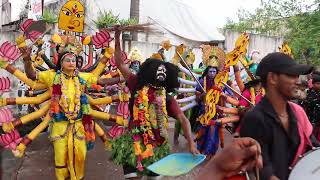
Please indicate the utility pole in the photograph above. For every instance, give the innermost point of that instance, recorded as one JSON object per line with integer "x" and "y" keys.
{"x": 134, "y": 14}
{"x": 42, "y": 7}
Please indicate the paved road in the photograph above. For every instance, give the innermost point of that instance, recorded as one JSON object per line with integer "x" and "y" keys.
{"x": 38, "y": 163}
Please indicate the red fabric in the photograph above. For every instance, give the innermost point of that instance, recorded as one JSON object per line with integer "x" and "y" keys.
{"x": 173, "y": 107}
{"x": 246, "y": 94}
{"x": 132, "y": 82}
{"x": 304, "y": 129}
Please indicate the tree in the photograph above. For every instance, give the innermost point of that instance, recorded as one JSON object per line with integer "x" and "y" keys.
{"x": 297, "y": 21}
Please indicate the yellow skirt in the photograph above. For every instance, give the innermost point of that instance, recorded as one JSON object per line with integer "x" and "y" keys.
{"x": 69, "y": 149}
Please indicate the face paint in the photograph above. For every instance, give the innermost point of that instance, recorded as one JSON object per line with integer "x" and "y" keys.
{"x": 212, "y": 73}
{"x": 68, "y": 62}
{"x": 135, "y": 66}
{"x": 161, "y": 73}
{"x": 71, "y": 16}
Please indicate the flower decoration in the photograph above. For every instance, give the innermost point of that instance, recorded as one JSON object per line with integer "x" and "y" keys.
{"x": 101, "y": 39}
{"x": 124, "y": 59}
{"x": 123, "y": 107}
{"x": 34, "y": 34}
{"x": 116, "y": 131}
{"x": 10, "y": 140}
{"x": 9, "y": 52}
{"x": 5, "y": 115}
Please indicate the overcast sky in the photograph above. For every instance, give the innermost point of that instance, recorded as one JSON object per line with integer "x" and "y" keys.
{"x": 220, "y": 10}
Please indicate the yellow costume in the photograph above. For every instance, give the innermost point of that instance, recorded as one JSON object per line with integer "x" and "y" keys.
{"x": 68, "y": 137}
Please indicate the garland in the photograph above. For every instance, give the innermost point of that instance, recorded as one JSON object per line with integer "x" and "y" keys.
{"x": 63, "y": 110}
{"x": 149, "y": 112}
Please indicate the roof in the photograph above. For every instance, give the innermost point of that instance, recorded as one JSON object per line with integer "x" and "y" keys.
{"x": 179, "y": 19}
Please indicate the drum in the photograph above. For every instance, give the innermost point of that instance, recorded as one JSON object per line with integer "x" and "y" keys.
{"x": 308, "y": 167}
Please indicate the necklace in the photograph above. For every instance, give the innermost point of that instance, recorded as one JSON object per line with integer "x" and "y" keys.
{"x": 155, "y": 87}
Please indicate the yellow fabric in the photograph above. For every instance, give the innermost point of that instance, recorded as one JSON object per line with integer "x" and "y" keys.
{"x": 47, "y": 77}
{"x": 98, "y": 70}
{"x": 68, "y": 136}
{"x": 69, "y": 148}
{"x": 33, "y": 84}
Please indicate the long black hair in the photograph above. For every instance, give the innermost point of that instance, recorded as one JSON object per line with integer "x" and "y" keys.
{"x": 148, "y": 70}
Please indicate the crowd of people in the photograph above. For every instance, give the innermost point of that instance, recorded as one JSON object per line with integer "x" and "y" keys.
{"x": 274, "y": 113}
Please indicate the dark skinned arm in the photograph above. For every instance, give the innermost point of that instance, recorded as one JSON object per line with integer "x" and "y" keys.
{"x": 125, "y": 71}
{"x": 109, "y": 81}
{"x": 30, "y": 72}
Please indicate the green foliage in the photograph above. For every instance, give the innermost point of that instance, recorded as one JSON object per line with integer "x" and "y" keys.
{"x": 295, "y": 20}
{"x": 49, "y": 17}
{"x": 123, "y": 152}
{"x": 126, "y": 22}
{"x": 304, "y": 36}
{"x": 107, "y": 19}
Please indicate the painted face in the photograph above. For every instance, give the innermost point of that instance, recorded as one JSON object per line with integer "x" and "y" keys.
{"x": 135, "y": 65}
{"x": 161, "y": 73}
{"x": 68, "y": 62}
{"x": 212, "y": 73}
{"x": 71, "y": 16}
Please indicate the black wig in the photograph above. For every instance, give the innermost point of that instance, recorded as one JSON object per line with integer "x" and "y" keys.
{"x": 148, "y": 70}
{"x": 251, "y": 83}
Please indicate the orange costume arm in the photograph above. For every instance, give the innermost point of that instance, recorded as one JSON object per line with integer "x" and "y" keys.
{"x": 103, "y": 136}
{"x": 109, "y": 117}
{"x": 228, "y": 119}
{"x": 238, "y": 80}
{"x": 32, "y": 116}
{"x": 36, "y": 131}
{"x": 103, "y": 61}
{"x": 23, "y": 77}
{"x": 31, "y": 136}
{"x": 28, "y": 100}
{"x": 9, "y": 126}
{"x": 231, "y": 100}
{"x": 104, "y": 100}
{"x": 226, "y": 110}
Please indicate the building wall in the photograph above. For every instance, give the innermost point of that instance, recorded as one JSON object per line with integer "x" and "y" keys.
{"x": 264, "y": 44}
{"x": 5, "y": 11}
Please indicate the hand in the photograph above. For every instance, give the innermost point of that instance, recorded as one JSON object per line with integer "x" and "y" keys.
{"x": 19, "y": 152}
{"x": 7, "y": 127}
{"x": 236, "y": 68}
{"x": 243, "y": 154}
{"x": 193, "y": 149}
{"x": 26, "y": 53}
{"x": 108, "y": 53}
